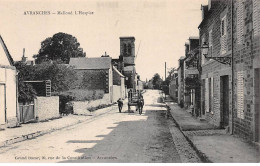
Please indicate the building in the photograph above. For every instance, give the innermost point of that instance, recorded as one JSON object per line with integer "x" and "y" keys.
{"x": 180, "y": 71}
{"x": 9, "y": 112}
{"x": 94, "y": 74}
{"x": 99, "y": 74}
{"x": 126, "y": 62}
{"x": 246, "y": 71}
{"x": 173, "y": 86}
{"x": 191, "y": 72}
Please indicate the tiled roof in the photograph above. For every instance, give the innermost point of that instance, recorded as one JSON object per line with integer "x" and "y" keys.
{"x": 91, "y": 63}
{"x": 9, "y": 57}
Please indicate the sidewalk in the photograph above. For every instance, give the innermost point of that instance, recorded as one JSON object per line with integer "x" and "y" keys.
{"x": 32, "y": 130}
{"x": 211, "y": 144}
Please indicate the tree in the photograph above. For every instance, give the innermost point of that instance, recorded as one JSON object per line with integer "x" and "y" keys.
{"x": 60, "y": 48}
{"x": 62, "y": 77}
{"x": 25, "y": 91}
{"x": 157, "y": 81}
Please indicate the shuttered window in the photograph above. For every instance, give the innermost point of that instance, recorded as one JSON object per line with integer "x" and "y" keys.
{"x": 256, "y": 17}
{"x": 223, "y": 35}
{"x": 207, "y": 95}
{"x": 240, "y": 95}
{"x": 240, "y": 21}
{"x": 210, "y": 43}
{"x": 202, "y": 56}
{"x": 212, "y": 94}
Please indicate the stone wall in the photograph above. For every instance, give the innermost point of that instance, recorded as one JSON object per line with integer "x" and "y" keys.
{"x": 212, "y": 68}
{"x": 116, "y": 92}
{"x": 246, "y": 59}
{"x": 81, "y": 107}
{"x": 47, "y": 107}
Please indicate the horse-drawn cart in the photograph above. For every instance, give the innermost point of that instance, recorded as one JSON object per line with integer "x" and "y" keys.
{"x": 135, "y": 98}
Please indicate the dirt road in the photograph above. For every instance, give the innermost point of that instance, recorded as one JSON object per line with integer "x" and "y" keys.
{"x": 114, "y": 137}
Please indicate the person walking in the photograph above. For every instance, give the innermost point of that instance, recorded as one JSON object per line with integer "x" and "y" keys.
{"x": 120, "y": 104}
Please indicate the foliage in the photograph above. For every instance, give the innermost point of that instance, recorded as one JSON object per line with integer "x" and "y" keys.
{"x": 60, "y": 48}
{"x": 192, "y": 83}
{"x": 25, "y": 91}
{"x": 157, "y": 81}
{"x": 62, "y": 77}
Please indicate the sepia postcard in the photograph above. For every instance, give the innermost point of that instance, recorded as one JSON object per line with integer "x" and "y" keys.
{"x": 129, "y": 81}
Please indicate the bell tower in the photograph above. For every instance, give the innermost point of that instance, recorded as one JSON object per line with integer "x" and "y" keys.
{"x": 127, "y": 50}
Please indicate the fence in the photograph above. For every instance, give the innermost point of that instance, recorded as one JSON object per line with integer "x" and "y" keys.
{"x": 27, "y": 113}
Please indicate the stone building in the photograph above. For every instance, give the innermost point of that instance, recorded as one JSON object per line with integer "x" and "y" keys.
{"x": 246, "y": 58}
{"x": 126, "y": 62}
{"x": 180, "y": 71}
{"x": 230, "y": 74}
{"x": 190, "y": 69}
{"x": 216, "y": 90}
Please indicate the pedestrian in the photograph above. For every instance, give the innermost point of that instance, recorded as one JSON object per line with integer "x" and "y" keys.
{"x": 120, "y": 104}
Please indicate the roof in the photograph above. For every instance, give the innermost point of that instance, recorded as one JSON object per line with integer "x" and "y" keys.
{"x": 193, "y": 37}
{"x": 9, "y": 57}
{"x": 91, "y": 63}
{"x": 121, "y": 75}
{"x": 129, "y": 68}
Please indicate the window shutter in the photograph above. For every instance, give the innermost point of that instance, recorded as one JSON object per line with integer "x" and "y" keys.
{"x": 212, "y": 94}
{"x": 210, "y": 43}
{"x": 223, "y": 35}
{"x": 207, "y": 95}
{"x": 256, "y": 17}
{"x": 240, "y": 22}
{"x": 240, "y": 95}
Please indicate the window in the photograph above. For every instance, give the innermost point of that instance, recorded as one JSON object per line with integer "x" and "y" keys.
{"x": 207, "y": 95}
{"x": 202, "y": 56}
{"x": 210, "y": 43}
{"x": 240, "y": 95}
{"x": 240, "y": 21}
{"x": 223, "y": 35}
{"x": 256, "y": 17}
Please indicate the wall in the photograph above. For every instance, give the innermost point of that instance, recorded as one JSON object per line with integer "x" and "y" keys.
{"x": 81, "y": 107}
{"x": 47, "y": 107}
{"x": 212, "y": 68}
{"x": 116, "y": 93}
{"x": 246, "y": 59}
{"x": 8, "y": 81}
{"x": 91, "y": 79}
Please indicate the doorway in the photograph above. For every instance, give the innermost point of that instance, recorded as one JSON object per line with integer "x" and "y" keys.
{"x": 224, "y": 101}
{"x": 2, "y": 104}
{"x": 257, "y": 104}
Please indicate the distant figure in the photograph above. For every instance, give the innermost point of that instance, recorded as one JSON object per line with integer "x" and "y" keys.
{"x": 120, "y": 104}
{"x": 130, "y": 94}
{"x": 140, "y": 105}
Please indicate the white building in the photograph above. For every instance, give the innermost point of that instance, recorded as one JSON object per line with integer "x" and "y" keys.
{"x": 8, "y": 89}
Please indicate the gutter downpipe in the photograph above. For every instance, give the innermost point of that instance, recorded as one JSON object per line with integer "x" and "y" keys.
{"x": 232, "y": 71}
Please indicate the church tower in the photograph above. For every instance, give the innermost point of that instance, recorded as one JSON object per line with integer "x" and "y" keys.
{"x": 127, "y": 57}
{"x": 127, "y": 50}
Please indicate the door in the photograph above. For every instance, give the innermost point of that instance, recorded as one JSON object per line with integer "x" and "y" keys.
{"x": 224, "y": 92}
{"x": 2, "y": 104}
{"x": 257, "y": 105}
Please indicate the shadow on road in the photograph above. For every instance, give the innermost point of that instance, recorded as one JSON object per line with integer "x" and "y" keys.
{"x": 145, "y": 139}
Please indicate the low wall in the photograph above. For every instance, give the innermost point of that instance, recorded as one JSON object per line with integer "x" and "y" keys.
{"x": 47, "y": 107}
{"x": 81, "y": 107}
{"x": 116, "y": 92}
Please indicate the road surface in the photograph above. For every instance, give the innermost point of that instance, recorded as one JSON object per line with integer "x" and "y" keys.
{"x": 111, "y": 138}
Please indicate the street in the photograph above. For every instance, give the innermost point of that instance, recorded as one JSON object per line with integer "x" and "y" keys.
{"x": 113, "y": 137}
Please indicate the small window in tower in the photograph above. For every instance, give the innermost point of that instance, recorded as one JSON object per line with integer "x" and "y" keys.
{"x": 129, "y": 50}
{"x": 124, "y": 49}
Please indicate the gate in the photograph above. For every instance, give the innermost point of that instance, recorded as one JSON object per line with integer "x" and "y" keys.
{"x": 27, "y": 113}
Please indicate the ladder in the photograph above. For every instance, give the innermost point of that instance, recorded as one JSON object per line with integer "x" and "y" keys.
{"x": 48, "y": 88}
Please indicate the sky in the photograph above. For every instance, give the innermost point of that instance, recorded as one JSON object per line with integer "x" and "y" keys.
{"x": 160, "y": 27}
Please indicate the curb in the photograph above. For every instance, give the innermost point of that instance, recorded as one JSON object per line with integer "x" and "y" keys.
{"x": 43, "y": 132}
{"x": 201, "y": 155}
